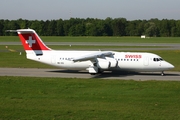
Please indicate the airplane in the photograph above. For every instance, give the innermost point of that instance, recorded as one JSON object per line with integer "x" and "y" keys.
{"x": 93, "y": 61}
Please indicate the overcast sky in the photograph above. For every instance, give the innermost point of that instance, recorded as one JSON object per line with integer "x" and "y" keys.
{"x": 64, "y": 9}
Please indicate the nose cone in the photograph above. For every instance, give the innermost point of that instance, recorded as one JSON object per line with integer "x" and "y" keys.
{"x": 170, "y": 66}
{"x": 166, "y": 66}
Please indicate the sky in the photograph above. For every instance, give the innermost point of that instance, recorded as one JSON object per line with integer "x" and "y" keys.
{"x": 66, "y": 9}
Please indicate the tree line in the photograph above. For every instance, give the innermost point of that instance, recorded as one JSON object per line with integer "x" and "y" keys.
{"x": 95, "y": 27}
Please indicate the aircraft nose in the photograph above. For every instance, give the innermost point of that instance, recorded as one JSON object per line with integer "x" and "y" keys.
{"x": 170, "y": 66}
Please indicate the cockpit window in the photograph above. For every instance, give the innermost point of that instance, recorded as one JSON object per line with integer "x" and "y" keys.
{"x": 157, "y": 59}
{"x": 154, "y": 59}
{"x": 161, "y": 59}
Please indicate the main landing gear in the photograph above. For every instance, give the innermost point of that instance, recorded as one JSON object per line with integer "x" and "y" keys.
{"x": 93, "y": 70}
{"x": 162, "y": 73}
{"x": 93, "y": 73}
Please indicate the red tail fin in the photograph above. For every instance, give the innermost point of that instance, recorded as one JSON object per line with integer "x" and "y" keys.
{"x": 31, "y": 40}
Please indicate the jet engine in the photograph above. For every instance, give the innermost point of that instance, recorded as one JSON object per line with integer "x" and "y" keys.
{"x": 103, "y": 64}
{"x": 113, "y": 62}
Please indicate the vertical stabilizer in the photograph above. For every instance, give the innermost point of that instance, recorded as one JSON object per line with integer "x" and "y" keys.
{"x": 31, "y": 41}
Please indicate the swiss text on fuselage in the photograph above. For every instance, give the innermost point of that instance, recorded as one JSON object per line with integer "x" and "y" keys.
{"x": 133, "y": 56}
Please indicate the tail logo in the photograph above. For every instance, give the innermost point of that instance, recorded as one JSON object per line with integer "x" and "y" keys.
{"x": 30, "y": 41}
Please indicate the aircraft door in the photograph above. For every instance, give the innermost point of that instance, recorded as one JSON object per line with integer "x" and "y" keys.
{"x": 53, "y": 59}
{"x": 146, "y": 61}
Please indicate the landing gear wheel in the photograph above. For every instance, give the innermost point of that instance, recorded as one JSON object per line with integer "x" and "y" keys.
{"x": 100, "y": 71}
{"x": 162, "y": 74}
{"x": 93, "y": 73}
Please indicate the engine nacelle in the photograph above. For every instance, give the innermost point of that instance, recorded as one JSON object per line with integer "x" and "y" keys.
{"x": 103, "y": 64}
{"x": 113, "y": 62}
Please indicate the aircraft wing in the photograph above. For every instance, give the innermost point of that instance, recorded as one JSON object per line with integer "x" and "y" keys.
{"x": 93, "y": 56}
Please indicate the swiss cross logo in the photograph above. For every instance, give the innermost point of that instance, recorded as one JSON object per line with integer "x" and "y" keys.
{"x": 30, "y": 41}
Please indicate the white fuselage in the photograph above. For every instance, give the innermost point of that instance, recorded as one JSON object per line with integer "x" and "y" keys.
{"x": 126, "y": 61}
{"x": 93, "y": 61}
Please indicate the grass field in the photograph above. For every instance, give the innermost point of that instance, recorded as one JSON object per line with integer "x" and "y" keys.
{"x": 88, "y": 99}
{"x": 98, "y": 39}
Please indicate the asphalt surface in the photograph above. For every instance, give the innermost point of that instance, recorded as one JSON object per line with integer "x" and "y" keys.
{"x": 152, "y": 46}
{"x": 60, "y": 73}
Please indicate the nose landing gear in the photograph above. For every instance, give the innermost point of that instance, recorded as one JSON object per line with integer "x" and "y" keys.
{"x": 162, "y": 73}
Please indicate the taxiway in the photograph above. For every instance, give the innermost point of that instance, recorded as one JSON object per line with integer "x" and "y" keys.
{"x": 60, "y": 73}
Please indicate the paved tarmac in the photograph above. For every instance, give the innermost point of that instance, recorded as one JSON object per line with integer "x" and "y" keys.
{"x": 60, "y": 73}
{"x": 152, "y": 46}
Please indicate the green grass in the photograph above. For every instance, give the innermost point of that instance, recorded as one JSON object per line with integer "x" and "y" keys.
{"x": 13, "y": 59}
{"x": 88, "y": 99}
{"x": 98, "y": 39}
{"x": 78, "y": 47}
{"x": 97, "y": 47}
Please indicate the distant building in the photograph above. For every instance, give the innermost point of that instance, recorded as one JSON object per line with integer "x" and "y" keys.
{"x": 143, "y": 36}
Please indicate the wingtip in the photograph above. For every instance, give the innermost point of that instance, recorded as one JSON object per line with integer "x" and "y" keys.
{"x": 19, "y": 30}
{"x": 11, "y": 30}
